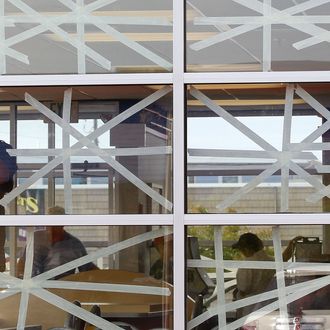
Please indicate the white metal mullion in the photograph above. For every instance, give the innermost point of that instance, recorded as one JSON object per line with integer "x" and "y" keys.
{"x": 266, "y": 219}
{"x": 87, "y": 79}
{"x": 178, "y": 164}
{"x": 255, "y": 77}
{"x": 85, "y": 220}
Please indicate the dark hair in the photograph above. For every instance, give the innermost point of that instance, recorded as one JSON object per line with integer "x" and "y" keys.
{"x": 249, "y": 241}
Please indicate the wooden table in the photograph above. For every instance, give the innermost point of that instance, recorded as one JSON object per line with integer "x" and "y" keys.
{"x": 111, "y": 303}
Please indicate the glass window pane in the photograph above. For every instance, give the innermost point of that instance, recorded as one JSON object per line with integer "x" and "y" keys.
{"x": 78, "y": 270}
{"x": 93, "y": 150}
{"x": 250, "y": 36}
{"x": 258, "y": 148}
{"x": 86, "y": 36}
{"x": 258, "y": 277}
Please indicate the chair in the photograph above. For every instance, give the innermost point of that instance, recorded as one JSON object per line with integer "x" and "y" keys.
{"x": 74, "y": 322}
{"x": 198, "y": 280}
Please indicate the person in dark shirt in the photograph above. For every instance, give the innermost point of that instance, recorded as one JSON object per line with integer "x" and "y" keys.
{"x": 55, "y": 247}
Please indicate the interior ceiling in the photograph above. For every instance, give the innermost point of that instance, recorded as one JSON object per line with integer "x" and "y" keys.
{"x": 228, "y": 94}
{"x": 83, "y": 93}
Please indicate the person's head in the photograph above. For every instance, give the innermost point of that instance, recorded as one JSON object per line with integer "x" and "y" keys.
{"x": 56, "y": 210}
{"x": 248, "y": 244}
{"x": 56, "y": 232}
{"x": 164, "y": 245}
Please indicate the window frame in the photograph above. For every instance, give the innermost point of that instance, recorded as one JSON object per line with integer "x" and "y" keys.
{"x": 179, "y": 219}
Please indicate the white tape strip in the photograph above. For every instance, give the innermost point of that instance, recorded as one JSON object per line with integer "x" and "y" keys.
{"x": 262, "y": 20}
{"x": 287, "y": 124}
{"x": 23, "y": 307}
{"x": 322, "y": 190}
{"x": 73, "y": 309}
{"x": 17, "y": 55}
{"x": 101, "y": 153}
{"x": 317, "y": 133}
{"x": 310, "y": 146}
{"x": 243, "y": 154}
{"x": 98, "y": 4}
{"x": 221, "y": 112}
{"x": 220, "y": 276}
{"x": 299, "y": 288}
{"x": 223, "y": 27}
{"x": 275, "y": 305}
{"x": 141, "y": 151}
{"x": 32, "y": 179}
{"x": 322, "y": 168}
{"x": 151, "y": 56}
{"x": 284, "y": 17}
{"x": 120, "y": 288}
{"x": 2, "y": 38}
{"x": 8, "y": 293}
{"x": 101, "y": 253}
{"x": 266, "y": 38}
{"x": 223, "y": 36}
{"x": 29, "y": 253}
{"x": 101, "y": 130}
{"x": 66, "y": 145}
{"x": 286, "y": 13}
{"x": 309, "y": 42}
{"x": 322, "y": 110}
{"x": 130, "y": 112}
{"x": 248, "y": 187}
{"x": 81, "y": 37}
{"x": 56, "y": 29}
{"x": 196, "y": 263}
{"x": 88, "y": 19}
{"x": 280, "y": 278}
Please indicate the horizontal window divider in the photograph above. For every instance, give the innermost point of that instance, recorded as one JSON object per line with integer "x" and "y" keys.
{"x": 86, "y": 79}
{"x": 257, "y": 219}
{"x": 256, "y": 77}
{"x": 87, "y": 220}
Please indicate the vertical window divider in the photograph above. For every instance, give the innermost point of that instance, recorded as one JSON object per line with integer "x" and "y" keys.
{"x": 178, "y": 164}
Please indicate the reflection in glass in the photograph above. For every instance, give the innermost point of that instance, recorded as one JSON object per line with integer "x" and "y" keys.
{"x": 81, "y": 270}
{"x": 86, "y": 37}
{"x": 259, "y": 277}
{"x": 258, "y": 148}
{"x": 252, "y": 36}
{"x": 93, "y": 149}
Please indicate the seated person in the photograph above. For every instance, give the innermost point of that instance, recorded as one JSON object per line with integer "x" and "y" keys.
{"x": 254, "y": 281}
{"x": 163, "y": 267}
{"x": 54, "y": 247}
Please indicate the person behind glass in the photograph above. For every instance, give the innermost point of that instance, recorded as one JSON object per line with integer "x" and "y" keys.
{"x": 162, "y": 269}
{"x": 255, "y": 281}
{"x": 8, "y": 168}
{"x": 54, "y": 247}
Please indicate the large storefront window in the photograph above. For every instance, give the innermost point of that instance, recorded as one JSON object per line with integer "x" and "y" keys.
{"x": 246, "y": 36}
{"x": 248, "y": 277}
{"x": 259, "y": 148}
{"x": 85, "y": 37}
{"x": 158, "y": 133}
{"x": 109, "y": 277}
{"x": 95, "y": 150}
